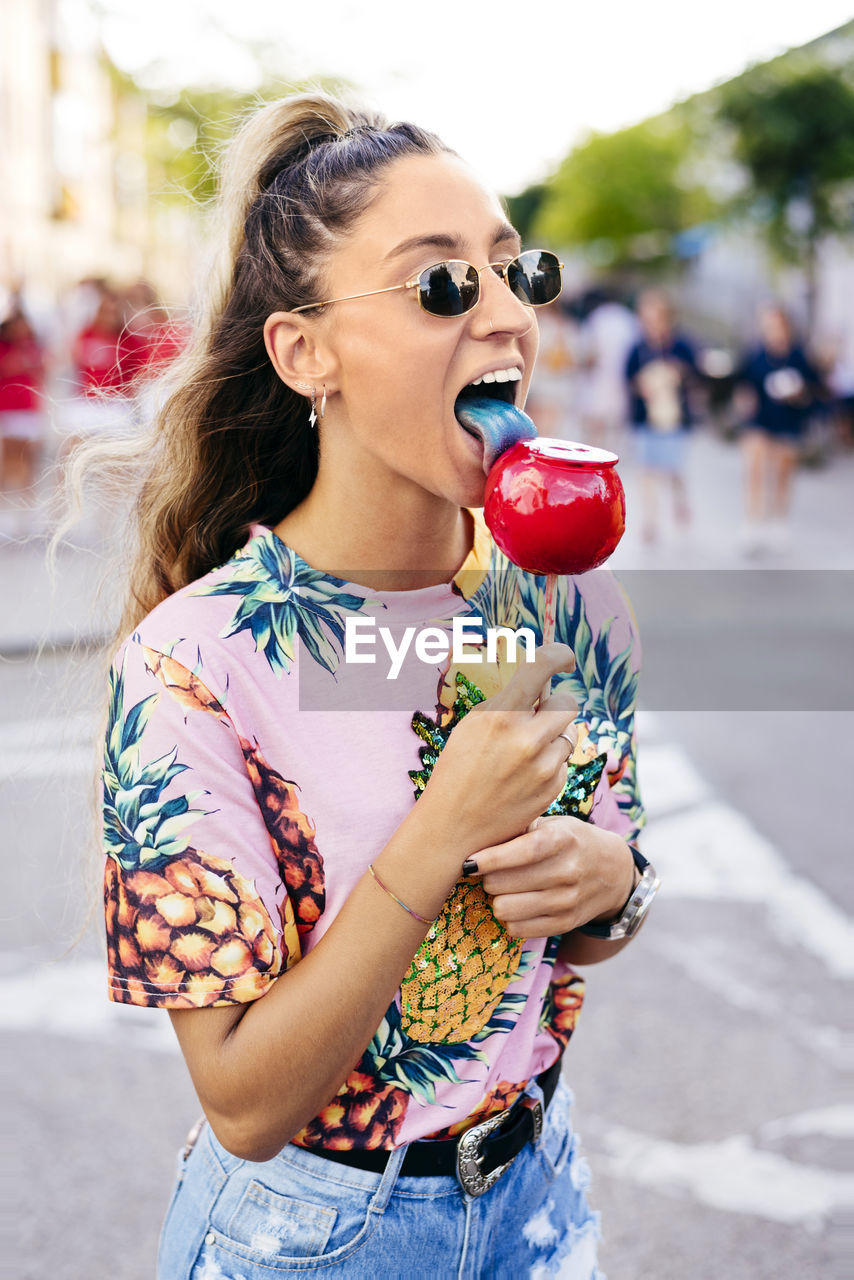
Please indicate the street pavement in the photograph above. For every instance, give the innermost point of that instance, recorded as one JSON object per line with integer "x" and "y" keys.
{"x": 710, "y": 1060}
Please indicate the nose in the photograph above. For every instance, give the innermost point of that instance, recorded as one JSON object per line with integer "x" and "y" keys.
{"x": 499, "y": 311}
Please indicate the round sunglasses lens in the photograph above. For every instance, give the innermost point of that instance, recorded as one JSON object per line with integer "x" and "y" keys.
{"x": 535, "y": 277}
{"x": 449, "y": 288}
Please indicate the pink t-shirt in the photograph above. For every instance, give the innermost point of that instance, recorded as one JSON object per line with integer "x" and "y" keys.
{"x": 254, "y": 766}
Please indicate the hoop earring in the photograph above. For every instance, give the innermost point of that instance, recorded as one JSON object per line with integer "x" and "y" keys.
{"x": 323, "y": 403}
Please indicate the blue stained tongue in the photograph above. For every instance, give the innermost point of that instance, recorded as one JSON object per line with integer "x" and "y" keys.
{"x": 497, "y": 424}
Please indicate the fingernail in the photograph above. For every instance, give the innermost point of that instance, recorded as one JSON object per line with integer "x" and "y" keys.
{"x": 470, "y": 867}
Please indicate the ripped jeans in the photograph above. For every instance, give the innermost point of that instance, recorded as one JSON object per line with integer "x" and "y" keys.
{"x": 231, "y": 1219}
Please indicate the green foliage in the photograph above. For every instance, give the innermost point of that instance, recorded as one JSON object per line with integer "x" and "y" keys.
{"x": 627, "y": 189}
{"x": 793, "y": 130}
{"x": 141, "y": 829}
{"x": 186, "y": 131}
{"x": 523, "y": 208}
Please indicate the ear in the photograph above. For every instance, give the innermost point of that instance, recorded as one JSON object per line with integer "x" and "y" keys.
{"x": 298, "y": 352}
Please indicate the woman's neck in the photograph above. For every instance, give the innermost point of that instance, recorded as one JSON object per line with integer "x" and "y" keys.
{"x": 400, "y": 545}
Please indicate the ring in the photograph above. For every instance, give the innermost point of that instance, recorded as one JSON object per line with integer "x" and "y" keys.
{"x": 567, "y": 738}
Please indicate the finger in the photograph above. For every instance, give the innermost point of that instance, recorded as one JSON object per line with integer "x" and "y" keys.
{"x": 535, "y": 915}
{"x": 551, "y": 721}
{"x": 523, "y": 689}
{"x": 541, "y": 841}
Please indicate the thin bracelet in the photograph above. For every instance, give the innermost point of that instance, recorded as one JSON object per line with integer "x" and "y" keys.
{"x": 386, "y": 889}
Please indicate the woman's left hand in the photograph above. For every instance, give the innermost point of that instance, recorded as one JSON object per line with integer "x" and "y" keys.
{"x": 561, "y": 873}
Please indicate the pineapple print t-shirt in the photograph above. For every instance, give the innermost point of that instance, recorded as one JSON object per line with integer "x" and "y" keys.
{"x": 254, "y": 765}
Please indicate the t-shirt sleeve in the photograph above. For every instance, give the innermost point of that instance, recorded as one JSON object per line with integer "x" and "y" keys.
{"x": 196, "y": 910}
{"x": 597, "y": 621}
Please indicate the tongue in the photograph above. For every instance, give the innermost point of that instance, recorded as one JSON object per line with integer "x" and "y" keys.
{"x": 496, "y": 424}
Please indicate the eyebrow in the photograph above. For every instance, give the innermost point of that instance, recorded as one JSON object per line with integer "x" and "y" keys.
{"x": 450, "y": 243}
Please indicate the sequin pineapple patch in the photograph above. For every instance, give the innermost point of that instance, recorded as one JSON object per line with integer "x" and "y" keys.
{"x": 468, "y": 959}
{"x": 582, "y": 779}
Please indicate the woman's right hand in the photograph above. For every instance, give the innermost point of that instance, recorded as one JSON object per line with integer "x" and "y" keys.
{"x": 505, "y": 762}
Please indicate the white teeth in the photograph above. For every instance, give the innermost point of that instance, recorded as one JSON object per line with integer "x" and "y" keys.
{"x": 499, "y": 375}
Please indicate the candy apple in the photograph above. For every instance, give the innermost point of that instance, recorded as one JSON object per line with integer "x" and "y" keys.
{"x": 554, "y": 506}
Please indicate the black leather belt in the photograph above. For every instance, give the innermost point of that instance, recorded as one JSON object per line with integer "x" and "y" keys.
{"x": 478, "y": 1157}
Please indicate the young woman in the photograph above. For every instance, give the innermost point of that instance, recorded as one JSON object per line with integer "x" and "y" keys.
{"x": 335, "y": 873}
{"x": 782, "y": 388}
{"x": 659, "y": 371}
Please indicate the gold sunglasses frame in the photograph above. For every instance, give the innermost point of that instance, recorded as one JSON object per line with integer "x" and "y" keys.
{"x": 415, "y": 280}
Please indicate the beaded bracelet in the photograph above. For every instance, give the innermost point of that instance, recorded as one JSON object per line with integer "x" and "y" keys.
{"x": 386, "y": 889}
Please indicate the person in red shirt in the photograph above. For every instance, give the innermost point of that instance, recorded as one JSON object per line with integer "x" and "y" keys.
{"x": 160, "y": 339}
{"x": 106, "y": 355}
{"x": 22, "y": 418}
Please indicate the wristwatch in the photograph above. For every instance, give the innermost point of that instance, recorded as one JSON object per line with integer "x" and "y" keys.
{"x": 640, "y": 900}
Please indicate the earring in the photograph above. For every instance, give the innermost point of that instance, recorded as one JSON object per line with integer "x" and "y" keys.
{"x": 312, "y": 417}
{"x": 323, "y": 403}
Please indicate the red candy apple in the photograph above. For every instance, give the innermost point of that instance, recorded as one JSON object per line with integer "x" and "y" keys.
{"x": 554, "y": 506}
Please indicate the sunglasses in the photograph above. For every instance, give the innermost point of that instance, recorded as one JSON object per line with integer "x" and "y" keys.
{"x": 452, "y": 288}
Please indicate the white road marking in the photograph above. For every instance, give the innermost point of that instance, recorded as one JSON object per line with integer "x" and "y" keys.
{"x": 830, "y": 1122}
{"x": 45, "y": 731}
{"x": 48, "y": 747}
{"x": 710, "y": 965}
{"x": 713, "y": 852}
{"x": 732, "y": 1175}
{"x": 70, "y": 999}
{"x": 668, "y": 781}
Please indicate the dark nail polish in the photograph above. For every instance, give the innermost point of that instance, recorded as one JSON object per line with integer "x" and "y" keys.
{"x": 470, "y": 867}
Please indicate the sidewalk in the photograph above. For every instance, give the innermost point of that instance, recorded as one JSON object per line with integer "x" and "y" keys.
{"x": 81, "y": 604}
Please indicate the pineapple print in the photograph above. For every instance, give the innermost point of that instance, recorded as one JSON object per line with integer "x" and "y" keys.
{"x": 562, "y": 1007}
{"x": 460, "y": 971}
{"x": 468, "y": 959}
{"x": 183, "y": 929}
{"x": 297, "y": 855}
{"x": 284, "y": 598}
{"x": 365, "y": 1114}
{"x": 605, "y": 686}
{"x": 370, "y": 1106}
{"x": 291, "y": 833}
{"x": 501, "y": 1098}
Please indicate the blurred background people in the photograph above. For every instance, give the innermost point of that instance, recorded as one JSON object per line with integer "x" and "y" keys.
{"x": 157, "y": 338}
{"x": 778, "y": 389}
{"x": 608, "y": 333}
{"x": 106, "y": 357}
{"x": 106, "y": 352}
{"x": 659, "y": 371}
{"x": 552, "y": 396}
{"x": 22, "y": 415}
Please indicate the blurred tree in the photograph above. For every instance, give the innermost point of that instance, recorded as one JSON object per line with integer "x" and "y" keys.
{"x": 185, "y": 136}
{"x": 187, "y": 129}
{"x": 794, "y": 133}
{"x": 625, "y": 194}
{"x": 523, "y": 208}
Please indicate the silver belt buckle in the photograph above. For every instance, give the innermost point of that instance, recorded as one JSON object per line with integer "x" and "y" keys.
{"x": 469, "y": 1157}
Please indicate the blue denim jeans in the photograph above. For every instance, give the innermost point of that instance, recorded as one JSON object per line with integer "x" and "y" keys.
{"x": 232, "y": 1219}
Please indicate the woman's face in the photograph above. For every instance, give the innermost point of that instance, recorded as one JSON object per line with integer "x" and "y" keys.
{"x": 399, "y": 370}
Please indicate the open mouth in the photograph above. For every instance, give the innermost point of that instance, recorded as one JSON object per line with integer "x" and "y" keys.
{"x": 504, "y": 391}
{"x": 486, "y": 410}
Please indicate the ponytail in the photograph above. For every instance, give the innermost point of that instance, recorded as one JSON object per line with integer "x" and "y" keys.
{"x": 233, "y": 444}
